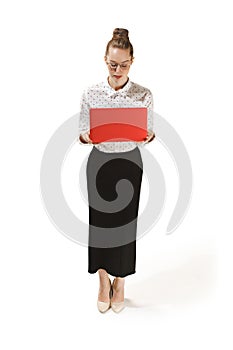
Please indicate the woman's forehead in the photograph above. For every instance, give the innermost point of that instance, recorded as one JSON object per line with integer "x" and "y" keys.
{"x": 118, "y": 55}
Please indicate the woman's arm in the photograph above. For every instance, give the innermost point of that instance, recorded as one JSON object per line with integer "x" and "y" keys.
{"x": 84, "y": 121}
{"x": 149, "y": 104}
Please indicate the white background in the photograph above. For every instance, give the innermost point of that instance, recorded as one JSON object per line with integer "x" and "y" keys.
{"x": 181, "y": 295}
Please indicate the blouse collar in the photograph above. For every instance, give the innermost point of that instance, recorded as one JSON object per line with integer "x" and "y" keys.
{"x": 112, "y": 91}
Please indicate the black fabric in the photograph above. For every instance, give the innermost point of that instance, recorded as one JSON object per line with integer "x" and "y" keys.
{"x": 112, "y": 233}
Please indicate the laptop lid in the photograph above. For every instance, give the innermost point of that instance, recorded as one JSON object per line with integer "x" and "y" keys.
{"x": 118, "y": 124}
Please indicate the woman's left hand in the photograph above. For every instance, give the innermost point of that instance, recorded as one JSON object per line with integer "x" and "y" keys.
{"x": 150, "y": 136}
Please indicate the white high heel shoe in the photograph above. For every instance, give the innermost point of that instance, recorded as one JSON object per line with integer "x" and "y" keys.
{"x": 117, "y": 307}
{"x": 102, "y": 305}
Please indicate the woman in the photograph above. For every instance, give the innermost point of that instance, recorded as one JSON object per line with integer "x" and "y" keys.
{"x": 116, "y": 160}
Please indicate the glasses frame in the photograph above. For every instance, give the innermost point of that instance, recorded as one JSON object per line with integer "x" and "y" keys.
{"x": 123, "y": 66}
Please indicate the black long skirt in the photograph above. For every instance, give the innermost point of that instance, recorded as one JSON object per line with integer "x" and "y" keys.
{"x": 114, "y": 184}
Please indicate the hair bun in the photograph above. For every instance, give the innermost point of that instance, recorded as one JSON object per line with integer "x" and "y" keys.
{"x": 119, "y": 33}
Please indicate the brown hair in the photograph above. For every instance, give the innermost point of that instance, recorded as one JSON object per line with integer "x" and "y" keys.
{"x": 120, "y": 40}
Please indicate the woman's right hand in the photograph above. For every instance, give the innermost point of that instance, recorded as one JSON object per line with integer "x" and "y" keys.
{"x": 85, "y": 138}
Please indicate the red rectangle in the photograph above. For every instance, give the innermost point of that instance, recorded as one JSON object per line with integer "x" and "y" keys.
{"x": 118, "y": 124}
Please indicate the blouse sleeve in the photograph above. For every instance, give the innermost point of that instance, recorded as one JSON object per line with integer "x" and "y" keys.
{"x": 149, "y": 103}
{"x": 84, "y": 121}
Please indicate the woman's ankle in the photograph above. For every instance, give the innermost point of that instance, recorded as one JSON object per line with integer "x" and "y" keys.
{"x": 118, "y": 283}
{"x": 103, "y": 277}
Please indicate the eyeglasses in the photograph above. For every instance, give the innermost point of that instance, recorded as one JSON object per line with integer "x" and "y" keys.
{"x": 123, "y": 66}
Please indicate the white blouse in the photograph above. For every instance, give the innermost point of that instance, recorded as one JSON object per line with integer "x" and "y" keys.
{"x": 102, "y": 95}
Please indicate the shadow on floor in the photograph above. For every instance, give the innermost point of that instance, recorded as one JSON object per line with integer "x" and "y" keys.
{"x": 188, "y": 283}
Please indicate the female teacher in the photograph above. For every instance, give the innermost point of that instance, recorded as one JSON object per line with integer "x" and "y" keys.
{"x": 108, "y": 163}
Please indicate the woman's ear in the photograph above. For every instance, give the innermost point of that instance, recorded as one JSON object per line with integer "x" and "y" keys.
{"x": 105, "y": 58}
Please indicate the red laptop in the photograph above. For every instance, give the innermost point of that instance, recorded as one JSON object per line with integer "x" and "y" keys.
{"x": 118, "y": 124}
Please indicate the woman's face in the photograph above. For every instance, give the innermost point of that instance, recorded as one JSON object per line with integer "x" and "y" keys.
{"x": 118, "y": 63}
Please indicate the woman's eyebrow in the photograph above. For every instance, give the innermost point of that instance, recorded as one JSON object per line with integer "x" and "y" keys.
{"x": 121, "y": 62}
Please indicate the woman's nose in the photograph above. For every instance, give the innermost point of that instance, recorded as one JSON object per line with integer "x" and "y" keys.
{"x": 118, "y": 68}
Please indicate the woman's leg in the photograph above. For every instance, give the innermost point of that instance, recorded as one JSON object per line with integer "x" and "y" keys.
{"x": 118, "y": 289}
{"x": 104, "y": 286}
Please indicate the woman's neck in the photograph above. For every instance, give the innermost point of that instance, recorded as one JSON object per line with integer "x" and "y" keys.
{"x": 117, "y": 87}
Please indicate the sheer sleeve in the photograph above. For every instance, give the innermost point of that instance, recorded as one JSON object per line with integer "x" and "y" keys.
{"x": 149, "y": 103}
{"x": 84, "y": 121}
